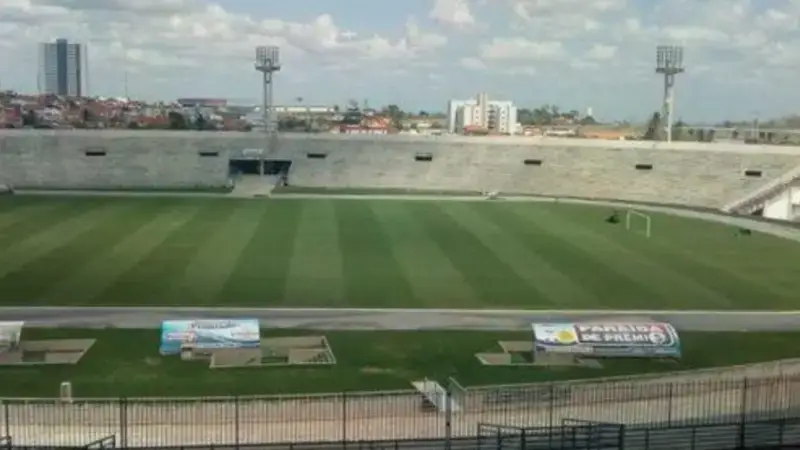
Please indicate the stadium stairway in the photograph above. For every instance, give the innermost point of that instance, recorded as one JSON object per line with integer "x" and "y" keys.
{"x": 757, "y": 199}
{"x": 253, "y": 186}
{"x": 435, "y": 396}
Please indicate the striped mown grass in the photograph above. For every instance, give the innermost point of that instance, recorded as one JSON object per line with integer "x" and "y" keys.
{"x": 366, "y": 253}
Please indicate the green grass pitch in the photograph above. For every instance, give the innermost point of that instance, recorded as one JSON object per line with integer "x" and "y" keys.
{"x": 362, "y": 253}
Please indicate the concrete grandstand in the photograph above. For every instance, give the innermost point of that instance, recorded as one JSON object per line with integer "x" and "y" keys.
{"x": 734, "y": 177}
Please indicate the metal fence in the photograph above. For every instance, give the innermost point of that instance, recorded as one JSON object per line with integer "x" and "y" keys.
{"x": 586, "y": 435}
{"x": 396, "y": 415}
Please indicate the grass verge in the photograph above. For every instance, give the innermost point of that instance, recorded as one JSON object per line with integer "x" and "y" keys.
{"x": 127, "y": 363}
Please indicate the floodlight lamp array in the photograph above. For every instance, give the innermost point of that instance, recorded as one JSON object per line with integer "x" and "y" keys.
{"x": 268, "y": 59}
{"x": 669, "y": 59}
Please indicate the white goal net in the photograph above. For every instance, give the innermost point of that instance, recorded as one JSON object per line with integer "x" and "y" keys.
{"x": 638, "y": 222}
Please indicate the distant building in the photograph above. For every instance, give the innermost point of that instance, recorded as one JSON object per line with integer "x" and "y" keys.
{"x": 361, "y": 129}
{"x": 481, "y": 113}
{"x": 62, "y": 68}
{"x": 303, "y": 109}
{"x": 202, "y": 102}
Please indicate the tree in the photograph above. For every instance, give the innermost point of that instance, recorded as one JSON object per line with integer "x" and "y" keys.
{"x": 200, "y": 122}
{"x": 29, "y": 118}
{"x": 525, "y": 116}
{"x": 177, "y": 121}
{"x": 396, "y": 114}
{"x": 654, "y": 131}
{"x": 678, "y": 130}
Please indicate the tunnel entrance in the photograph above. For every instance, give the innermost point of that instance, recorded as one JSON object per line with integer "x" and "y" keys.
{"x": 272, "y": 167}
{"x": 245, "y": 167}
{"x": 277, "y": 167}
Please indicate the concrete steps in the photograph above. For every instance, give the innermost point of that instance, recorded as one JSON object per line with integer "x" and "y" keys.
{"x": 253, "y": 186}
{"x": 435, "y": 396}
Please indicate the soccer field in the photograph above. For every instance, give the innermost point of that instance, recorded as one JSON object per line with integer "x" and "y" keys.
{"x": 362, "y": 253}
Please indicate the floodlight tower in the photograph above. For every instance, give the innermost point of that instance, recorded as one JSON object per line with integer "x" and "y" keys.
{"x": 268, "y": 62}
{"x": 669, "y": 62}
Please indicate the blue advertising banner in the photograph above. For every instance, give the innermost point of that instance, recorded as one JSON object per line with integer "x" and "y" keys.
{"x": 608, "y": 339}
{"x": 209, "y": 334}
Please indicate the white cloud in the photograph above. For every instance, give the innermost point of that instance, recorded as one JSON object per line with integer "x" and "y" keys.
{"x": 601, "y": 52}
{"x": 418, "y": 40}
{"x": 473, "y": 63}
{"x": 452, "y": 12}
{"x": 521, "y": 49}
{"x": 777, "y": 20}
{"x": 533, "y": 9}
{"x": 181, "y": 30}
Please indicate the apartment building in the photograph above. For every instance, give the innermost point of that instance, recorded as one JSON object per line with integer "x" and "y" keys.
{"x": 492, "y": 115}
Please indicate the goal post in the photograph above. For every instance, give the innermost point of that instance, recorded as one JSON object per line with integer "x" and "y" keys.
{"x": 638, "y": 221}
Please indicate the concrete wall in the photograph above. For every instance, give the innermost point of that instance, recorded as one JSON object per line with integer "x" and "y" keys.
{"x": 59, "y": 160}
{"x": 784, "y": 205}
{"x": 699, "y": 174}
{"x": 696, "y": 174}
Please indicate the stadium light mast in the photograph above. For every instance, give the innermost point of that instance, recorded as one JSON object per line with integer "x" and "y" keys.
{"x": 268, "y": 62}
{"x": 669, "y": 62}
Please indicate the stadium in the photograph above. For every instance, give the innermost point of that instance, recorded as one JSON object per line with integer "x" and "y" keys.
{"x": 413, "y": 260}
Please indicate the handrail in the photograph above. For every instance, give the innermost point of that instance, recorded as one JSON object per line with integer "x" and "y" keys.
{"x": 752, "y": 197}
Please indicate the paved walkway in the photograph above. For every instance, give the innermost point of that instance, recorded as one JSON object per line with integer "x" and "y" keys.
{"x": 393, "y": 319}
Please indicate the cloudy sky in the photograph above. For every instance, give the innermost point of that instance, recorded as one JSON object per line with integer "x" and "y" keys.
{"x": 742, "y": 56}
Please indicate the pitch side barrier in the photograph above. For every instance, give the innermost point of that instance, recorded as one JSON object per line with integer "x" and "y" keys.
{"x": 368, "y": 416}
{"x": 571, "y": 435}
{"x": 584, "y": 435}
{"x": 664, "y": 385}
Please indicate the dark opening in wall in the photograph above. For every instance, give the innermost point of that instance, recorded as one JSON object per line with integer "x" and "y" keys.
{"x": 208, "y": 154}
{"x": 644, "y": 167}
{"x": 95, "y": 153}
{"x": 423, "y": 157}
{"x": 316, "y": 155}
{"x": 752, "y": 173}
{"x": 533, "y": 162}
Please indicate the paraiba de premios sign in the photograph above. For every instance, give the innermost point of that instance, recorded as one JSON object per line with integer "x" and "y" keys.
{"x": 608, "y": 339}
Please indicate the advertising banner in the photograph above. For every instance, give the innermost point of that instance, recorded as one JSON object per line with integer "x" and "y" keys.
{"x": 608, "y": 339}
{"x": 209, "y": 334}
{"x": 10, "y": 334}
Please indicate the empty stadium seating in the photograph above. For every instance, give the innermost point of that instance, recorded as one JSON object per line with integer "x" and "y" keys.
{"x": 690, "y": 173}
{"x": 697, "y": 174}
{"x": 107, "y": 160}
